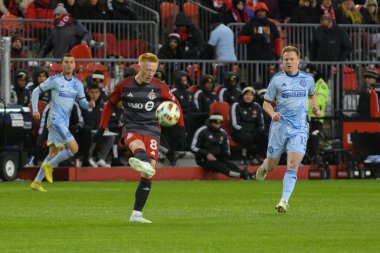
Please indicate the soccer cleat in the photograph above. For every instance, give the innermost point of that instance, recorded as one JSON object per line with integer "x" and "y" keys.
{"x": 48, "y": 171}
{"x": 141, "y": 166}
{"x": 103, "y": 164}
{"x": 37, "y": 186}
{"x": 137, "y": 218}
{"x": 92, "y": 162}
{"x": 261, "y": 174}
{"x": 282, "y": 207}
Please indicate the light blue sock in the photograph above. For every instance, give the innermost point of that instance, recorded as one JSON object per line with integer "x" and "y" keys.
{"x": 63, "y": 155}
{"x": 290, "y": 179}
{"x": 264, "y": 165}
{"x": 41, "y": 174}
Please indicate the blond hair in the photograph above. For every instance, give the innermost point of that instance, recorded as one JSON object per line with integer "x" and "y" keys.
{"x": 290, "y": 49}
{"x": 148, "y": 57}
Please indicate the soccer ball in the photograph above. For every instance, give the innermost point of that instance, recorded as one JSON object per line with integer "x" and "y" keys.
{"x": 167, "y": 114}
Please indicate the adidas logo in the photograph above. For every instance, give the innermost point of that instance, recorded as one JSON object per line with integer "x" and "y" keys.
{"x": 284, "y": 84}
{"x": 130, "y": 95}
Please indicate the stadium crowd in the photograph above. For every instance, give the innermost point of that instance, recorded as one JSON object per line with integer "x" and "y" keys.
{"x": 244, "y": 121}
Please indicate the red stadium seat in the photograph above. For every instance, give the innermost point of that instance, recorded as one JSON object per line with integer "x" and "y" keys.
{"x": 218, "y": 88}
{"x": 55, "y": 69}
{"x": 81, "y": 51}
{"x": 350, "y": 82}
{"x": 192, "y": 11}
{"x": 374, "y": 104}
{"x": 193, "y": 88}
{"x": 131, "y": 48}
{"x": 167, "y": 11}
{"x": 12, "y": 26}
{"x": 224, "y": 109}
{"x": 110, "y": 43}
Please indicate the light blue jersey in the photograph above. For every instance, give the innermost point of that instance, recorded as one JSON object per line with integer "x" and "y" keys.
{"x": 64, "y": 92}
{"x": 290, "y": 93}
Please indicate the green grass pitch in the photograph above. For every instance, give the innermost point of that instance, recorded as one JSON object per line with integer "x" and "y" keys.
{"x": 202, "y": 216}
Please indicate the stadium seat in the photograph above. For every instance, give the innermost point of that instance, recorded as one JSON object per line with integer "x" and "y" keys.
{"x": 131, "y": 48}
{"x": 167, "y": 11}
{"x": 110, "y": 42}
{"x": 350, "y": 82}
{"x": 12, "y": 26}
{"x": 192, "y": 11}
{"x": 55, "y": 69}
{"x": 374, "y": 104}
{"x": 193, "y": 88}
{"x": 218, "y": 88}
{"x": 224, "y": 109}
{"x": 81, "y": 51}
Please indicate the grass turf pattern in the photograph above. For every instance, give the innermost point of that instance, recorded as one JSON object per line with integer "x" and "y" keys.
{"x": 201, "y": 216}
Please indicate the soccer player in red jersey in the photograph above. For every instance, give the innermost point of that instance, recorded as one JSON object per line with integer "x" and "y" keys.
{"x": 140, "y": 95}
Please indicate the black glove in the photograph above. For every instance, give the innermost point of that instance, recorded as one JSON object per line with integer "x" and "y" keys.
{"x": 182, "y": 138}
{"x": 98, "y": 135}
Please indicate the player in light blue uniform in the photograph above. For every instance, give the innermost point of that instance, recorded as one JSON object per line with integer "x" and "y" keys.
{"x": 65, "y": 90}
{"x": 289, "y": 90}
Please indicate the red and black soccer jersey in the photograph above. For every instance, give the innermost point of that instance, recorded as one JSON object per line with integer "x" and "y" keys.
{"x": 140, "y": 102}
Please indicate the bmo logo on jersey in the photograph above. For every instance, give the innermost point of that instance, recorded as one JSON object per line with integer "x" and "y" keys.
{"x": 148, "y": 105}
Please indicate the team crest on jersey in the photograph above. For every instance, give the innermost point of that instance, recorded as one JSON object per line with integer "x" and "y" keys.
{"x": 221, "y": 139}
{"x": 75, "y": 86}
{"x": 254, "y": 113}
{"x": 151, "y": 95}
{"x": 303, "y": 83}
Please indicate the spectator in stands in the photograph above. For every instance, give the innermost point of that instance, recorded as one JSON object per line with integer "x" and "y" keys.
{"x": 216, "y": 5}
{"x": 17, "y": 52}
{"x": 274, "y": 9}
{"x": 23, "y": 5}
{"x": 211, "y": 149}
{"x": 21, "y": 95}
{"x": 191, "y": 36}
{"x": 347, "y": 13}
{"x": 316, "y": 124}
{"x": 286, "y": 9}
{"x": 364, "y": 108}
{"x": 205, "y": 96}
{"x": 92, "y": 120}
{"x": 330, "y": 42}
{"x": 231, "y": 91}
{"x": 237, "y": 13}
{"x": 73, "y": 7}
{"x": 259, "y": 98}
{"x": 121, "y": 10}
{"x": 66, "y": 33}
{"x": 326, "y": 8}
{"x": 10, "y": 7}
{"x": 40, "y": 74}
{"x": 40, "y": 9}
{"x": 370, "y": 12}
{"x": 172, "y": 49}
{"x": 305, "y": 13}
{"x": 261, "y": 35}
{"x": 247, "y": 126}
{"x": 95, "y": 10}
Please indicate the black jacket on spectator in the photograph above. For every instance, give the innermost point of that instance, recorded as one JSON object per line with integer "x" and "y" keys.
{"x": 184, "y": 97}
{"x": 246, "y": 117}
{"x": 98, "y": 12}
{"x": 92, "y": 117}
{"x": 166, "y": 53}
{"x": 34, "y": 83}
{"x": 194, "y": 43}
{"x": 121, "y": 11}
{"x": 74, "y": 10}
{"x": 23, "y": 94}
{"x": 229, "y": 93}
{"x": 330, "y": 44}
{"x": 305, "y": 15}
{"x": 260, "y": 48}
{"x": 62, "y": 39}
{"x": 208, "y": 139}
{"x": 203, "y": 98}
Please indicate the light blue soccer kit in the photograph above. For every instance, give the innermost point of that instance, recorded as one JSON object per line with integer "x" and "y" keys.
{"x": 64, "y": 92}
{"x": 290, "y": 93}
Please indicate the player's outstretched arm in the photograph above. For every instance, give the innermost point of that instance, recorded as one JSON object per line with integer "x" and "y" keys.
{"x": 268, "y": 108}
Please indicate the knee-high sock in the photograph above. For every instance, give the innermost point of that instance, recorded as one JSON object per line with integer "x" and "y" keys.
{"x": 63, "y": 155}
{"x": 289, "y": 182}
{"x": 41, "y": 173}
{"x": 142, "y": 193}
